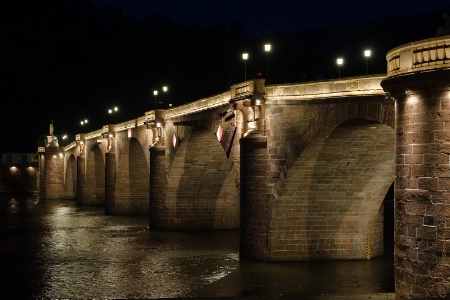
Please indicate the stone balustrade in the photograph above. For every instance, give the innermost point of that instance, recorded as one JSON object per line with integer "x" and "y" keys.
{"x": 364, "y": 85}
{"x": 419, "y": 56}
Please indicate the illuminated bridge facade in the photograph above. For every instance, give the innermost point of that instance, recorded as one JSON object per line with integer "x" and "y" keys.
{"x": 302, "y": 169}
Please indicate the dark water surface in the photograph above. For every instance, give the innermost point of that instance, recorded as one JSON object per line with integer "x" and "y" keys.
{"x": 54, "y": 249}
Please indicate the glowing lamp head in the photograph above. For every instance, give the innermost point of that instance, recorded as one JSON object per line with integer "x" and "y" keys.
{"x": 267, "y": 47}
{"x": 367, "y": 53}
{"x": 244, "y": 56}
{"x": 340, "y": 61}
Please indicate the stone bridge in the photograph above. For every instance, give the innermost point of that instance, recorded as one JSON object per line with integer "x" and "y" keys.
{"x": 302, "y": 169}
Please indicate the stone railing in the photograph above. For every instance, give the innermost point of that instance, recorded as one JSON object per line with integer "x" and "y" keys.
{"x": 419, "y": 56}
{"x": 199, "y": 105}
{"x": 363, "y": 86}
{"x": 247, "y": 89}
{"x": 345, "y": 87}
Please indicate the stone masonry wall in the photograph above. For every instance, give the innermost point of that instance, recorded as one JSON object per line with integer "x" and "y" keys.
{"x": 297, "y": 127}
{"x": 330, "y": 205}
{"x": 201, "y": 191}
{"x": 94, "y": 191}
{"x": 202, "y": 173}
{"x": 422, "y": 198}
{"x": 132, "y": 181}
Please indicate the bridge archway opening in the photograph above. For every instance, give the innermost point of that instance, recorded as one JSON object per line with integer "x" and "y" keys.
{"x": 330, "y": 206}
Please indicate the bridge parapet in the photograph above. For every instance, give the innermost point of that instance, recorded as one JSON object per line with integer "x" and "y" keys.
{"x": 199, "y": 105}
{"x": 248, "y": 89}
{"x": 125, "y": 125}
{"x": 94, "y": 134}
{"x": 419, "y": 56}
{"x": 70, "y": 146}
{"x": 361, "y": 86}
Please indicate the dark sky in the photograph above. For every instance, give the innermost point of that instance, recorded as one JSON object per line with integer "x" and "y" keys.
{"x": 265, "y": 16}
{"x": 73, "y": 59}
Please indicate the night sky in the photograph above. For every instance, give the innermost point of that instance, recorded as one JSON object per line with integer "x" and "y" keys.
{"x": 74, "y": 59}
{"x": 266, "y": 16}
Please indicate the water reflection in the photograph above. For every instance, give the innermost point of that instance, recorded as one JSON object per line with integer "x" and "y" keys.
{"x": 54, "y": 249}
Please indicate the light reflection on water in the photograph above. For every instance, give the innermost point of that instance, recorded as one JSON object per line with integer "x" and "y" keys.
{"x": 54, "y": 249}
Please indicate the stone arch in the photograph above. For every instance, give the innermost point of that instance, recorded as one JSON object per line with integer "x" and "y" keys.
{"x": 70, "y": 182}
{"x": 291, "y": 128}
{"x": 132, "y": 181}
{"x": 201, "y": 190}
{"x": 94, "y": 193}
{"x": 230, "y": 121}
{"x": 328, "y": 207}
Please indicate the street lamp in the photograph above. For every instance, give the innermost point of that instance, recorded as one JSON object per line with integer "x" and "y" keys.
{"x": 115, "y": 109}
{"x": 84, "y": 122}
{"x": 340, "y": 62}
{"x": 165, "y": 89}
{"x": 367, "y": 55}
{"x": 155, "y": 93}
{"x": 267, "y": 48}
{"x": 245, "y": 57}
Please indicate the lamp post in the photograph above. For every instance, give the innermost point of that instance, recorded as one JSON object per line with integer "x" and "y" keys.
{"x": 245, "y": 57}
{"x": 84, "y": 122}
{"x": 111, "y": 111}
{"x": 116, "y": 109}
{"x": 367, "y": 55}
{"x": 155, "y": 93}
{"x": 340, "y": 62}
{"x": 165, "y": 89}
{"x": 267, "y": 48}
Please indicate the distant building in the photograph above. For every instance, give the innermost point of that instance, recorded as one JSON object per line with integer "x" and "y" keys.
{"x": 19, "y": 173}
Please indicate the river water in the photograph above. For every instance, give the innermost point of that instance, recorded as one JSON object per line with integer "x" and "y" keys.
{"x": 55, "y": 249}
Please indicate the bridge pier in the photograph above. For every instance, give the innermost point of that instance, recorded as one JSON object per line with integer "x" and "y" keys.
{"x": 255, "y": 209}
{"x": 422, "y": 199}
{"x": 158, "y": 213}
{"x": 81, "y": 178}
{"x": 51, "y": 168}
{"x": 110, "y": 183}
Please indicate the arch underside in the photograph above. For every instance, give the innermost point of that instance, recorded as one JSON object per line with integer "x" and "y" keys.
{"x": 330, "y": 204}
{"x": 70, "y": 181}
{"x": 132, "y": 179}
{"x": 201, "y": 189}
{"x": 95, "y": 178}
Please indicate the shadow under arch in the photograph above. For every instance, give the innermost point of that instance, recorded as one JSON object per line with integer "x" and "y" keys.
{"x": 201, "y": 189}
{"x": 329, "y": 206}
